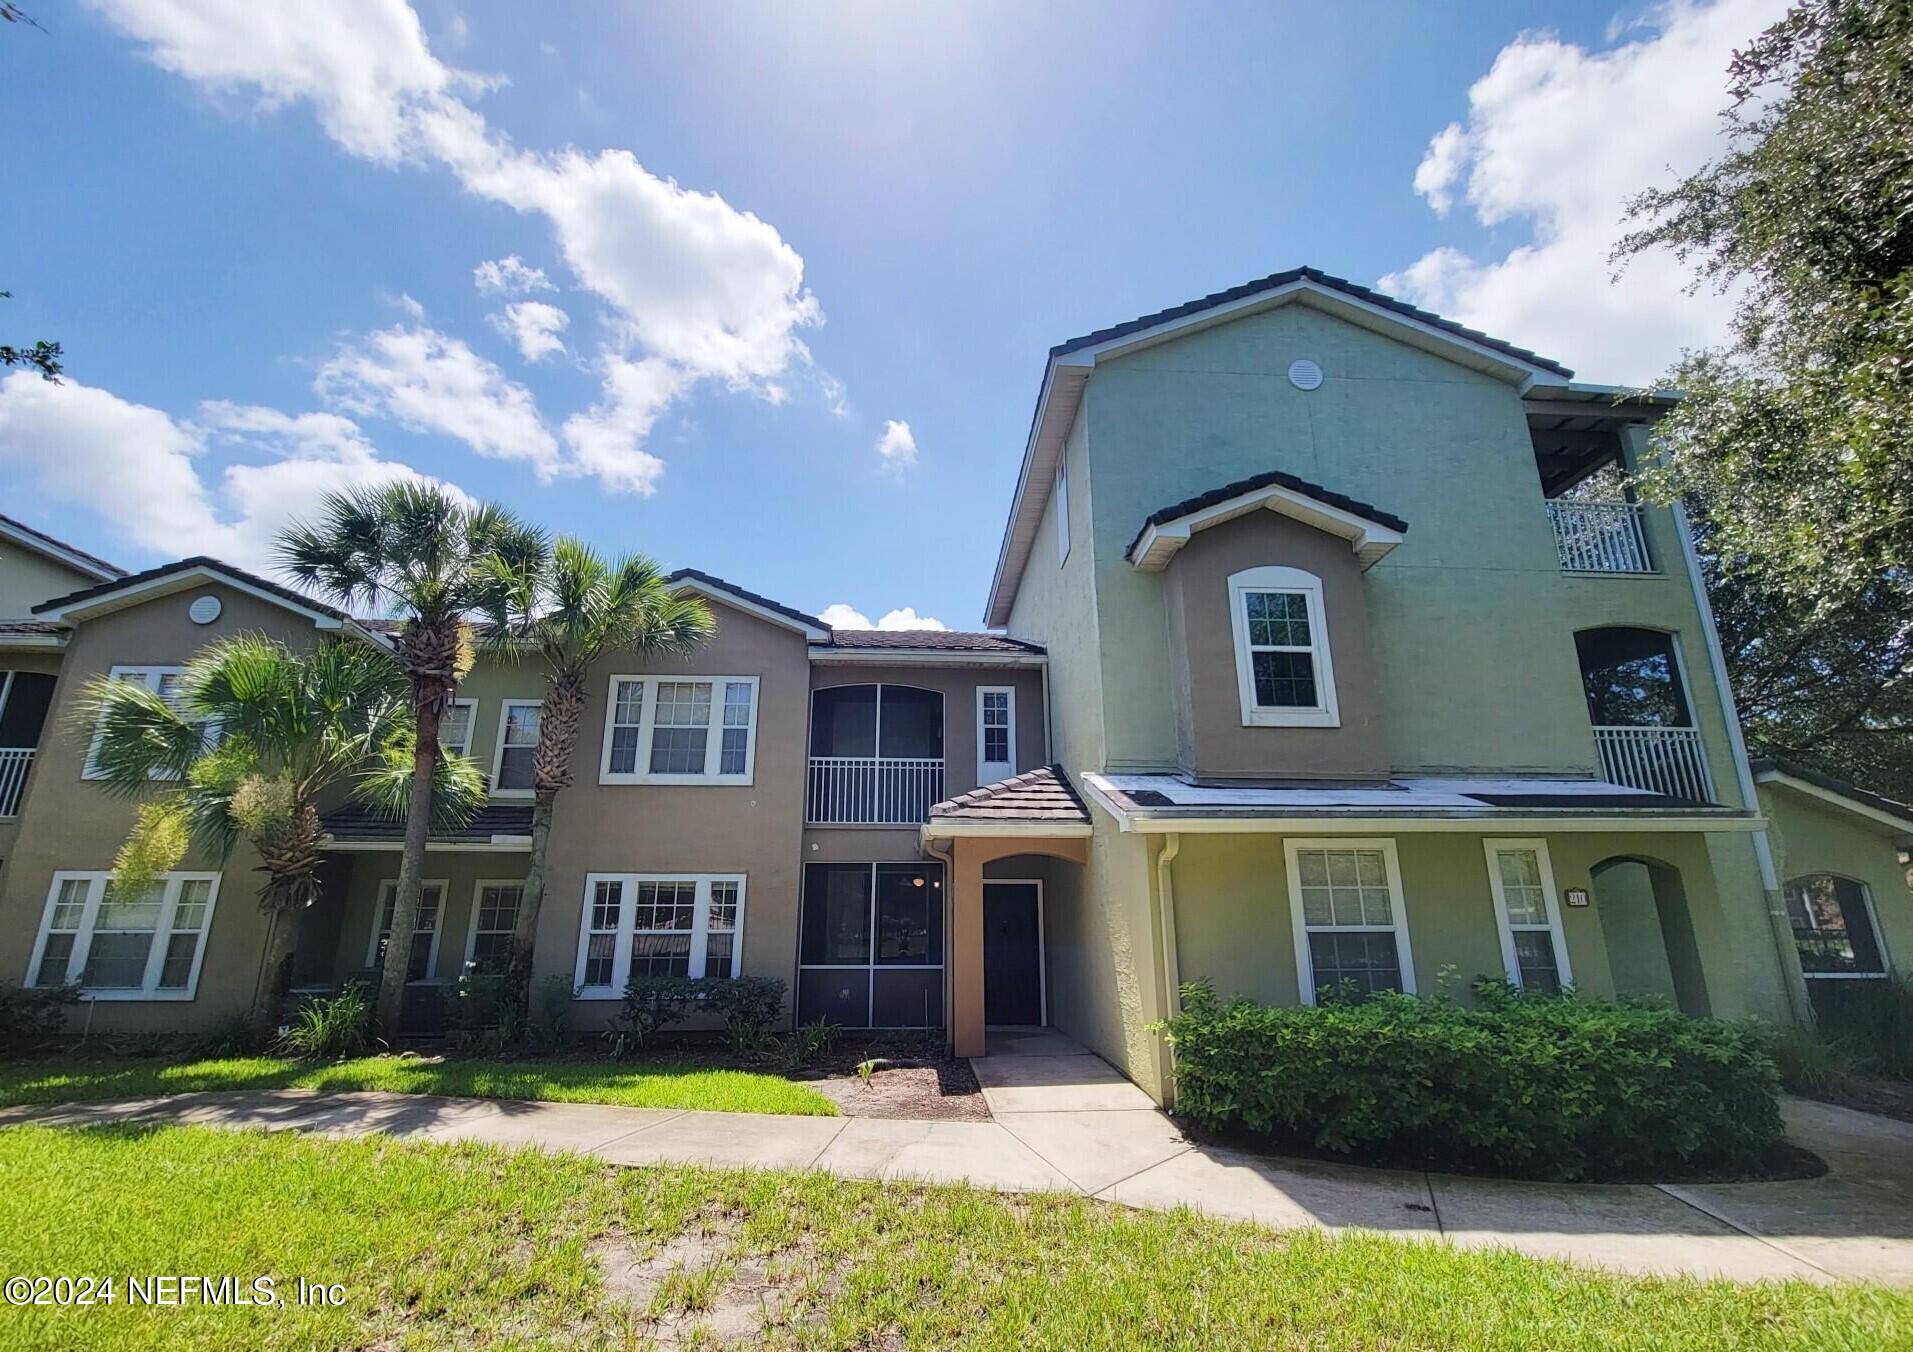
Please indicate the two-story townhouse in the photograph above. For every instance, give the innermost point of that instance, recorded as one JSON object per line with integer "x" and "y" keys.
{"x": 1361, "y": 681}
{"x": 751, "y": 809}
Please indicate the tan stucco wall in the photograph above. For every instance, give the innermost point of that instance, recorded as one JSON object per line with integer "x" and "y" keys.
{"x": 1812, "y": 836}
{"x": 27, "y": 578}
{"x": 958, "y": 686}
{"x": 46, "y": 663}
{"x": 67, "y": 823}
{"x": 1212, "y": 743}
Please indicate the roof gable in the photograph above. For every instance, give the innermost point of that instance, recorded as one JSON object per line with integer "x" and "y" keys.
{"x": 716, "y": 588}
{"x": 170, "y": 578}
{"x": 81, "y": 562}
{"x": 1873, "y": 808}
{"x": 1370, "y": 531}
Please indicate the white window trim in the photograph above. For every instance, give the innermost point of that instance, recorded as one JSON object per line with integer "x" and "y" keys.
{"x": 1009, "y": 694}
{"x": 627, "y": 914}
{"x": 1062, "y": 508}
{"x": 647, "y": 725}
{"x": 1873, "y": 918}
{"x": 389, "y": 887}
{"x": 162, "y": 933}
{"x": 1304, "y": 963}
{"x": 1327, "y": 713}
{"x": 498, "y": 748}
{"x": 478, "y": 893}
{"x": 471, "y": 727}
{"x": 1510, "y": 960}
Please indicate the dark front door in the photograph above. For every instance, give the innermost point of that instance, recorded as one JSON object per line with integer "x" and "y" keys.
{"x": 1012, "y": 954}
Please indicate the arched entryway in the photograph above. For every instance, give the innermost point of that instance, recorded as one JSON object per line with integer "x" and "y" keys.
{"x": 1650, "y": 932}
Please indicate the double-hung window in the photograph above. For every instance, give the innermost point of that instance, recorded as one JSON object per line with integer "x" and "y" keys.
{"x": 1351, "y": 931}
{"x": 517, "y": 745}
{"x": 1284, "y": 677}
{"x": 680, "y": 730}
{"x": 169, "y": 683}
{"x": 424, "y": 955}
{"x": 455, "y": 727}
{"x": 494, "y": 922}
{"x": 1534, "y": 950}
{"x": 995, "y": 733}
{"x": 143, "y": 947}
{"x": 650, "y": 924}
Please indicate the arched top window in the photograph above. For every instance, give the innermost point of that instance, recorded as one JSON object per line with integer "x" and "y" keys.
{"x": 1632, "y": 678}
{"x": 1833, "y": 927}
{"x": 887, "y": 721}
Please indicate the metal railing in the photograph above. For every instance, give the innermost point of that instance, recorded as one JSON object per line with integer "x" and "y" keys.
{"x": 15, "y": 761}
{"x": 1600, "y": 537}
{"x": 872, "y": 790}
{"x": 1659, "y": 760}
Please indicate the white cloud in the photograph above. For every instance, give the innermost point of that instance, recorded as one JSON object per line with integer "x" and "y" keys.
{"x": 509, "y": 276}
{"x": 1556, "y": 139}
{"x": 534, "y": 326}
{"x": 897, "y": 447}
{"x": 145, "y": 473}
{"x": 608, "y": 440}
{"x": 428, "y": 382}
{"x": 841, "y": 616}
{"x": 689, "y": 279}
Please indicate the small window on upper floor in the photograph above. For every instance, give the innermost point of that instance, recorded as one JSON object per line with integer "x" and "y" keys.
{"x": 1062, "y": 511}
{"x": 1283, "y": 671}
{"x": 518, "y": 724}
{"x": 169, "y": 683}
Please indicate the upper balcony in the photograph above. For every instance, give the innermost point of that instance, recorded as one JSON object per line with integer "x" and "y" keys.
{"x": 1581, "y": 460}
{"x": 1595, "y": 536}
{"x": 876, "y": 755}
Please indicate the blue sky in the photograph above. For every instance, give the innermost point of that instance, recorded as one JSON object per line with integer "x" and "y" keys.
{"x": 255, "y": 228}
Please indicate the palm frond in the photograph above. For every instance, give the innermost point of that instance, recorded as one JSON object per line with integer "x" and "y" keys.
{"x": 458, "y": 785}
{"x": 135, "y": 737}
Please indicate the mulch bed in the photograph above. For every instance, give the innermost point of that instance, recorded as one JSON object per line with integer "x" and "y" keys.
{"x": 1870, "y": 1094}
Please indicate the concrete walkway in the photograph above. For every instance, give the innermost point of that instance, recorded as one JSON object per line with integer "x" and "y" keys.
{"x": 1067, "y": 1122}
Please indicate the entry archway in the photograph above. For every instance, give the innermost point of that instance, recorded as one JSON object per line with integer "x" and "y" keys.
{"x": 1650, "y": 932}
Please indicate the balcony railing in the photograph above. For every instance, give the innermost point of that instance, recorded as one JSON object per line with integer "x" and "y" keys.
{"x": 872, "y": 790}
{"x": 15, "y": 761}
{"x": 1659, "y": 760}
{"x": 1599, "y": 537}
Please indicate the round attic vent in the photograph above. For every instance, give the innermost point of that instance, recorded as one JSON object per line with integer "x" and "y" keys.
{"x": 1305, "y": 374}
{"x": 204, "y": 609}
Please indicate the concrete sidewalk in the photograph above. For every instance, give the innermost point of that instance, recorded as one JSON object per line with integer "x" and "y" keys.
{"x": 1067, "y": 1122}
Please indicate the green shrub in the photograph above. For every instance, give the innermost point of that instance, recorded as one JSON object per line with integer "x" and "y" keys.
{"x": 546, "y": 1026}
{"x": 324, "y": 1029}
{"x": 31, "y": 1016}
{"x": 651, "y": 1004}
{"x": 1872, "y": 1021}
{"x": 750, "y": 1007}
{"x": 1811, "y": 1065}
{"x": 483, "y": 1013}
{"x": 809, "y": 1041}
{"x": 1552, "y": 1088}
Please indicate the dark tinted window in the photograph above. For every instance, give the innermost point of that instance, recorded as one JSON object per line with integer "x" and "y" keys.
{"x": 836, "y": 913}
{"x": 1831, "y": 926}
{"x": 909, "y": 914}
{"x": 24, "y": 713}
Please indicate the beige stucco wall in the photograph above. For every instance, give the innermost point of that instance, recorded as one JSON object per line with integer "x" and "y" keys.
{"x": 1813, "y": 836}
{"x": 67, "y": 823}
{"x": 27, "y": 578}
{"x": 1212, "y": 743}
{"x": 46, "y": 663}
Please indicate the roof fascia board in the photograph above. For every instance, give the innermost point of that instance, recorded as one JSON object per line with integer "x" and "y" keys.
{"x": 944, "y": 828}
{"x": 1497, "y": 821}
{"x": 1369, "y": 539}
{"x": 1836, "y": 799}
{"x": 496, "y": 845}
{"x": 59, "y": 553}
{"x": 749, "y": 607}
{"x": 166, "y": 585}
{"x": 921, "y": 657}
{"x": 1046, "y": 440}
{"x": 44, "y": 643}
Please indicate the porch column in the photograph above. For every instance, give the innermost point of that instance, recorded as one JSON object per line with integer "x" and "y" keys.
{"x": 966, "y": 942}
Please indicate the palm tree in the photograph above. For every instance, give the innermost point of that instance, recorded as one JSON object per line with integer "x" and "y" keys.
{"x": 431, "y": 559}
{"x": 288, "y": 727}
{"x": 570, "y": 609}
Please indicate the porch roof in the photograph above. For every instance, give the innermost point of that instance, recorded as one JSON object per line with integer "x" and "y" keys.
{"x": 1041, "y": 800}
{"x": 1166, "y": 802}
{"x": 496, "y": 825}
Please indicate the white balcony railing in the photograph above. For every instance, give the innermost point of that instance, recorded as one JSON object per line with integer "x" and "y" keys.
{"x": 1599, "y": 537}
{"x": 872, "y": 790}
{"x": 14, "y": 764}
{"x": 1660, "y": 760}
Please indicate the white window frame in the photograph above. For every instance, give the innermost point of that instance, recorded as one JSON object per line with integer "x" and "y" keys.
{"x": 1272, "y": 578}
{"x": 1009, "y": 694}
{"x": 162, "y": 934}
{"x": 389, "y": 889}
{"x": 154, "y": 675}
{"x": 1873, "y": 919}
{"x": 1504, "y": 922}
{"x": 1304, "y": 962}
{"x": 478, "y": 894}
{"x": 640, "y": 772}
{"x": 498, "y": 749}
{"x": 1062, "y": 509}
{"x": 471, "y": 727}
{"x": 627, "y": 914}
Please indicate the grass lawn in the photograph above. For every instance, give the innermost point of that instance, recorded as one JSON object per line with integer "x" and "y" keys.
{"x": 632, "y": 1084}
{"x": 463, "y": 1245}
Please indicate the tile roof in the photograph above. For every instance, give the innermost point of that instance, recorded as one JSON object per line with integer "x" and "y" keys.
{"x": 358, "y": 822}
{"x": 1795, "y": 770}
{"x": 16, "y": 524}
{"x": 1043, "y": 795}
{"x": 184, "y": 565}
{"x": 1281, "y": 279}
{"x": 31, "y": 627}
{"x": 935, "y": 640}
{"x": 712, "y": 580}
{"x": 1162, "y": 516}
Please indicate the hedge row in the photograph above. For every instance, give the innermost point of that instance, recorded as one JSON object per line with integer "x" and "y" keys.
{"x": 1563, "y": 1088}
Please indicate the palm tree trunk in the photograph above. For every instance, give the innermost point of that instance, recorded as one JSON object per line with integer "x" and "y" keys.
{"x": 418, "y": 825}
{"x": 524, "y": 937}
{"x": 558, "y": 722}
{"x": 280, "y": 941}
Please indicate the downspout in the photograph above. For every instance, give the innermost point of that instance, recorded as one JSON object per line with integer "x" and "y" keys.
{"x": 1782, "y": 928}
{"x": 1171, "y": 962}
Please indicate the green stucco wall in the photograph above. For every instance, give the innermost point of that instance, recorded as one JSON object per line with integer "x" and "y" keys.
{"x": 1812, "y": 836}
